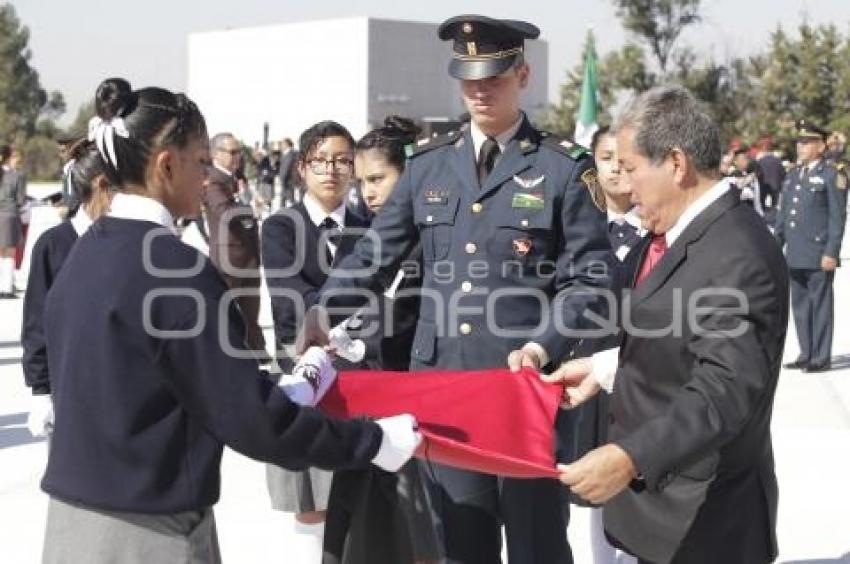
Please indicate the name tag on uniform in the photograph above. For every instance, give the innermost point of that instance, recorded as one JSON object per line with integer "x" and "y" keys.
{"x": 528, "y": 201}
{"x": 436, "y": 197}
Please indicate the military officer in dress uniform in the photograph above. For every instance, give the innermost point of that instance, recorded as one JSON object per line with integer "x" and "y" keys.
{"x": 515, "y": 253}
{"x": 811, "y": 224}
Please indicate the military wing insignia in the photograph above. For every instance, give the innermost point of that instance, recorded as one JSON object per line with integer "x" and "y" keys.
{"x": 591, "y": 181}
{"x": 529, "y": 183}
{"x": 816, "y": 180}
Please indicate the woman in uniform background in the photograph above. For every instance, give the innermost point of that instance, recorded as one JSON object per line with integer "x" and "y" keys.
{"x": 375, "y": 517}
{"x": 145, "y": 395}
{"x": 13, "y": 193}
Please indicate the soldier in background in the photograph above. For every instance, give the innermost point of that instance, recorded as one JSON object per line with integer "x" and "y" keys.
{"x": 811, "y": 223}
{"x": 509, "y": 209}
{"x": 290, "y": 179}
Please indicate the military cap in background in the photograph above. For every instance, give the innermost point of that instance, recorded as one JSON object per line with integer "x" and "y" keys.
{"x": 484, "y": 47}
{"x": 808, "y": 130}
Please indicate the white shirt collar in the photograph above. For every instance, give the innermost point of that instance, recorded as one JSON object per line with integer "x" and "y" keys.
{"x": 697, "y": 207}
{"x": 478, "y": 136}
{"x": 222, "y": 169}
{"x": 631, "y": 217}
{"x": 81, "y": 221}
{"x": 318, "y": 215}
{"x": 140, "y": 208}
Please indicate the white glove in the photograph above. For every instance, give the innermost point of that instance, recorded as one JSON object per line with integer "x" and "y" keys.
{"x": 399, "y": 442}
{"x": 350, "y": 350}
{"x": 40, "y": 420}
{"x": 310, "y": 379}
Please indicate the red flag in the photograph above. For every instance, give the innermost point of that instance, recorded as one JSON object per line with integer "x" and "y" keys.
{"x": 491, "y": 421}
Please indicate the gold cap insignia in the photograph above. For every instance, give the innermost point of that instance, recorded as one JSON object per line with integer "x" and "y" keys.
{"x": 467, "y": 27}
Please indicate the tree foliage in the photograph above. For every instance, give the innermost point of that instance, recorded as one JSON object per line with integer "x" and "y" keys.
{"x": 658, "y": 23}
{"x": 803, "y": 74}
{"x": 27, "y": 111}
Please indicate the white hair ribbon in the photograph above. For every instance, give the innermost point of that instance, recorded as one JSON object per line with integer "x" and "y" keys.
{"x": 103, "y": 134}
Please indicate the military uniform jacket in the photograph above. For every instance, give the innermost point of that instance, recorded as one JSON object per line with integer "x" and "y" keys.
{"x": 494, "y": 256}
{"x": 812, "y": 214}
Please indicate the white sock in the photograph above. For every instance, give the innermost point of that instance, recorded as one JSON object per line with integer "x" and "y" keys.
{"x": 7, "y": 274}
{"x": 310, "y": 539}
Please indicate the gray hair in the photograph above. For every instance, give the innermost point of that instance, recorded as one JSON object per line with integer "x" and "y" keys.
{"x": 669, "y": 117}
{"x": 218, "y": 139}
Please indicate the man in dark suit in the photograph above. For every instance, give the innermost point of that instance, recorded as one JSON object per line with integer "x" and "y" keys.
{"x": 514, "y": 251}
{"x": 810, "y": 224}
{"x": 696, "y": 371}
{"x": 233, "y": 240}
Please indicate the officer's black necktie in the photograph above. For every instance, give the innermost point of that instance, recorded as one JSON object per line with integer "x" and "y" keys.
{"x": 487, "y": 159}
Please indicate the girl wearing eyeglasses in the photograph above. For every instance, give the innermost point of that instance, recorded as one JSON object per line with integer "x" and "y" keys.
{"x": 299, "y": 246}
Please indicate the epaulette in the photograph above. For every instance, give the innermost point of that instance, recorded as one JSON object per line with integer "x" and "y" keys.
{"x": 565, "y": 146}
{"x": 428, "y": 143}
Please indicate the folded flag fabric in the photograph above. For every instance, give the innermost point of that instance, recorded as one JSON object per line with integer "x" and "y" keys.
{"x": 492, "y": 421}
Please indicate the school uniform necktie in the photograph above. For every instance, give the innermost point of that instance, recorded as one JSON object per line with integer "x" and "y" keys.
{"x": 657, "y": 248}
{"x": 331, "y": 227}
{"x": 487, "y": 159}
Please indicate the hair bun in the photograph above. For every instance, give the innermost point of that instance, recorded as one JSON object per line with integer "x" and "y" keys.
{"x": 402, "y": 127}
{"x": 113, "y": 96}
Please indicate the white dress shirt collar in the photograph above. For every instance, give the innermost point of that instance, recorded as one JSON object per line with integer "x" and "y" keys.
{"x": 697, "y": 207}
{"x": 478, "y": 136}
{"x": 140, "y": 208}
{"x": 631, "y": 217}
{"x": 81, "y": 221}
{"x": 318, "y": 214}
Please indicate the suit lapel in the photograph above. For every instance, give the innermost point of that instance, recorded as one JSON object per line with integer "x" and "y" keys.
{"x": 676, "y": 254}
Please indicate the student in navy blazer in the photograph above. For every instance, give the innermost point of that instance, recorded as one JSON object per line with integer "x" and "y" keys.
{"x": 48, "y": 254}
{"x": 150, "y": 375}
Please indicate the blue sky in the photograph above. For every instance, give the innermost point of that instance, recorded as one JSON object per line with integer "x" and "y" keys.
{"x": 77, "y": 43}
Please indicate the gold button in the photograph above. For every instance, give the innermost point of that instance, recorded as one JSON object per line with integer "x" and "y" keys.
{"x": 466, "y": 286}
{"x": 471, "y": 248}
{"x": 429, "y": 219}
{"x": 798, "y": 186}
{"x": 792, "y": 224}
{"x": 465, "y": 328}
{"x": 477, "y": 207}
{"x": 793, "y": 212}
{"x": 796, "y": 199}
{"x": 524, "y": 223}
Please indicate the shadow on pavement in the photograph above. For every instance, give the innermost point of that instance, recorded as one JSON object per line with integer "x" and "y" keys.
{"x": 841, "y": 361}
{"x": 13, "y": 431}
{"x": 840, "y": 560}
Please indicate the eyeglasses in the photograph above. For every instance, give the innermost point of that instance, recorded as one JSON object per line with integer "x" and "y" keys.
{"x": 231, "y": 152}
{"x": 322, "y": 166}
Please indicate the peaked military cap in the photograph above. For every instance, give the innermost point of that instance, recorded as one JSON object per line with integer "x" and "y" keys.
{"x": 484, "y": 47}
{"x": 808, "y": 130}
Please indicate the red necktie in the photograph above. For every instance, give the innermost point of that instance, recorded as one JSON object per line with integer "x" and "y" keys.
{"x": 657, "y": 248}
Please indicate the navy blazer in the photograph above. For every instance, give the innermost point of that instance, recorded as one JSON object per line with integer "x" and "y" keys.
{"x": 295, "y": 267}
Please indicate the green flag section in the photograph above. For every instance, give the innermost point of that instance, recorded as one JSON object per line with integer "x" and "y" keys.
{"x": 586, "y": 123}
